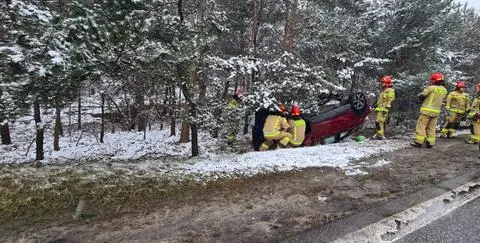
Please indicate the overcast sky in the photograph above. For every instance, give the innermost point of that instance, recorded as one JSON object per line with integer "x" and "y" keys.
{"x": 472, "y": 3}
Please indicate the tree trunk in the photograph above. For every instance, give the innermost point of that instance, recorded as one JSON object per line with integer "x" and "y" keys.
{"x": 79, "y": 113}
{"x": 133, "y": 117}
{"x": 5, "y": 132}
{"x": 225, "y": 90}
{"x": 256, "y": 20}
{"x": 202, "y": 84}
{"x": 56, "y": 131}
{"x": 140, "y": 102}
{"x": 102, "y": 124}
{"x": 173, "y": 129}
{"x": 254, "y": 26}
{"x": 70, "y": 120}
{"x": 40, "y": 130}
{"x": 185, "y": 132}
{"x": 110, "y": 111}
{"x": 180, "y": 10}
{"x": 195, "y": 151}
{"x": 246, "y": 122}
{"x": 188, "y": 98}
{"x": 193, "y": 114}
{"x": 290, "y": 24}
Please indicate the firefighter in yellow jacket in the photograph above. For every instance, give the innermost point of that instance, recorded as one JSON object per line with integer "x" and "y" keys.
{"x": 474, "y": 115}
{"x": 383, "y": 106}
{"x": 457, "y": 104}
{"x": 233, "y": 106}
{"x": 432, "y": 99}
{"x": 297, "y": 126}
{"x": 275, "y": 128}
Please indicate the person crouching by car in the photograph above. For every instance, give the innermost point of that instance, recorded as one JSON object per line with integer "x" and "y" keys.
{"x": 275, "y": 128}
{"x": 474, "y": 115}
{"x": 297, "y": 126}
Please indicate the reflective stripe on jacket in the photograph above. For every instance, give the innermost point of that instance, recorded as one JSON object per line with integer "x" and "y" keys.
{"x": 273, "y": 125}
{"x": 297, "y": 129}
{"x": 475, "y": 107}
{"x": 457, "y": 102}
{"x": 432, "y": 104}
{"x": 233, "y": 103}
{"x": 385, "y": 99}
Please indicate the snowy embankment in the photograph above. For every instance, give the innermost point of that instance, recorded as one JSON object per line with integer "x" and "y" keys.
{"x": 122, "y": 154}
{"x": 332, "y": 155}
{"x": 159, "y": 154}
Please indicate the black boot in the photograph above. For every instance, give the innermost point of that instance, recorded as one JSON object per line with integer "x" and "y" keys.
{"x": 429, "y": 145}
{"x": 415, "y": 144}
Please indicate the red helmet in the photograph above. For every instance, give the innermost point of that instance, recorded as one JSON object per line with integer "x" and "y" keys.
{"x": 460, "y": 84}
{"x": 295, "y": 111}
{"x": 436, "y": 78}
{"x": 386, "y": 81}
{"x": 478, "y": 87}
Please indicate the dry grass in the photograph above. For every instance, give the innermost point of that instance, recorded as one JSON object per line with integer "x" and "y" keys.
{"x": 47, "y": 197}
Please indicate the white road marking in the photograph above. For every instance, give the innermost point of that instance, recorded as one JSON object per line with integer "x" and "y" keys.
{"x": 401, "y": 224}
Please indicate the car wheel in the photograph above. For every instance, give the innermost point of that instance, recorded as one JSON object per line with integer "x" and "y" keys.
{"x": 358, "y": 102}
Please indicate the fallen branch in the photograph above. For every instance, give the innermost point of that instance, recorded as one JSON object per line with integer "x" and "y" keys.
{"x": 29, "y": 146}
{"x": 80, "y": 137}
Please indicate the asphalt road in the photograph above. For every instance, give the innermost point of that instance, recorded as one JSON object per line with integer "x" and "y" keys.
{"x": 461, "y": 225}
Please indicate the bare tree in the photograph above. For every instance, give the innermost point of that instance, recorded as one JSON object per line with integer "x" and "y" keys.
{"x": 57, "y": 128}
{"x": 40, "y": 131}
{"x": 290, "y": 24}
{"x": 5, "y": 133}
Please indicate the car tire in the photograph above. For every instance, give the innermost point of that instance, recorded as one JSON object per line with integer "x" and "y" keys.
{"x": 358, "y": 102}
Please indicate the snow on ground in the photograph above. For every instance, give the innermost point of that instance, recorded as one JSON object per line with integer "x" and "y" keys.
{"x": 333, "y": 155}
{"x": 212, "y": 166}
{"x": 358, "y": 169}
{"x": 160, "y": 154}
{"x": 117, "y": 156}
{"x": 116, "y": 146}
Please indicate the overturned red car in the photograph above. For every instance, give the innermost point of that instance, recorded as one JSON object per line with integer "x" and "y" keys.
{"x": 335, "y": 122}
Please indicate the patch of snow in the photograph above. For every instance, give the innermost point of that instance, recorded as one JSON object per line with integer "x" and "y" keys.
{"x": 381, "y": 163}
{"x": 358, "y": 169}
{"x": 56, "y": 57}
{"x": 333, "y": 102}
{"x": 322, "y": 199}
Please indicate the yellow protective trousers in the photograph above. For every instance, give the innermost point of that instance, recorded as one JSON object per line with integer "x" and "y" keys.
{"x": 381, "y": 118}
{"x": 453, "y": 121}
{"x": 425, "y": 130}
{"x": 281, "y": 136}
{"x": 475, "y": 137}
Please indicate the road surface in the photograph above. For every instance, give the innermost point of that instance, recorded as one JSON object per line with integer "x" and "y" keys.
{"x": 461, "y": 225}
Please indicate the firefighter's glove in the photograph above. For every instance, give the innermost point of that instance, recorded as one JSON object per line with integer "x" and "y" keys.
{"x": 421, "y": 98}
{"x": 386, "y": 111}
{"x": 476, "y": 117}
{"x": 448, "y": 111}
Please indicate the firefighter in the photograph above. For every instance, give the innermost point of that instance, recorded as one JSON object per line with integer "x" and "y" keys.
{"x": 383, "y": 106}
{"x": 275, "y": 128}
{"x": 457, "y": 103}
{"x": 432, "y": 99}
{"x": 232, "y": 106}
{"x": 236, "y": 100}
{"x": 474, "y": 115}
{"x": 297, "y": 126}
